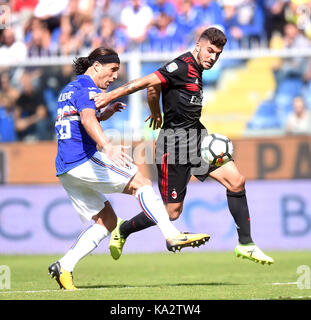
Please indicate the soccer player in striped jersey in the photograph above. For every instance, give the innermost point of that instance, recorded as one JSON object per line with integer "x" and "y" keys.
{"x": 89, "y": 166}
{"x": 180, "y": 82}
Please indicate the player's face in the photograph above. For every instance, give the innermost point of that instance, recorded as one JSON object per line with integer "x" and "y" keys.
{"x": 207, "y": 54}
{"x": 106, "y": 74}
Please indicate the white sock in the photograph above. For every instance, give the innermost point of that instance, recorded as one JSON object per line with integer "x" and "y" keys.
{"x": 87, "y": 241}
{"x": 154, "y": 208}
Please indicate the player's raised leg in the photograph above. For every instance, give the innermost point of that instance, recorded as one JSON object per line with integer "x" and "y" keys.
{"x": 231, "y": 178}
{"x": 155, "y": 211}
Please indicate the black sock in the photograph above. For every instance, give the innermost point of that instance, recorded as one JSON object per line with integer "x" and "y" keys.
{"x": 238, "y": 207}
{"x": 137, "y": 223}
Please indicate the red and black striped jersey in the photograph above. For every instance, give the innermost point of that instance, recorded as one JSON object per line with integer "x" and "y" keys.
{"x": 182, "y": 93}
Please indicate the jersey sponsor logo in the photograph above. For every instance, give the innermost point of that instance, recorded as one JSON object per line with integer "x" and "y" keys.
{"x": 172, "y": 67}
{"x": 197, "y": 99}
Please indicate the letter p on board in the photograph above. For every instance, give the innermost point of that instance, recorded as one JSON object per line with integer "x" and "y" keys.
{"x": 5, "y": 277}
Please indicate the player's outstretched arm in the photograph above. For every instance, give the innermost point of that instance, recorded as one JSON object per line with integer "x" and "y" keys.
{"x": 102, "y": 99}
{"x": 153, "y": 98}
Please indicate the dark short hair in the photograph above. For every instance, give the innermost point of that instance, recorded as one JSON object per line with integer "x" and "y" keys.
{"x": 83, "y": 63}
{"x": 215, "y": 36}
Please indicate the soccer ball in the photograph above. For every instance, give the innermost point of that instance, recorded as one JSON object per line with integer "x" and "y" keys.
{"x": 216, "y": 149}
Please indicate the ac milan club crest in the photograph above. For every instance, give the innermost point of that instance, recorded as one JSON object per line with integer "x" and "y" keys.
{"x": 174, "y": 194}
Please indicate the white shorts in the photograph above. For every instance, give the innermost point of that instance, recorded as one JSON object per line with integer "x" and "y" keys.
{"x": 87, "y": 183}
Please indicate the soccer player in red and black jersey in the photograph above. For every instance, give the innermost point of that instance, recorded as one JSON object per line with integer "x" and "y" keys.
{"x": 178, "y": 144}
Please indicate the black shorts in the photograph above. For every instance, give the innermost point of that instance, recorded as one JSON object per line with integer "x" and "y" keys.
{"x": 178, "y": 158}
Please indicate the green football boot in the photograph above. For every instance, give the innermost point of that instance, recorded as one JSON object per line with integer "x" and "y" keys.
{"x": 116, "y": 241}
{"x": 253, "y": 253}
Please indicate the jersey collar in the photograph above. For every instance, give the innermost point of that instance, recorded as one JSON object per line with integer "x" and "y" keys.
{"x": 87, "y": 78}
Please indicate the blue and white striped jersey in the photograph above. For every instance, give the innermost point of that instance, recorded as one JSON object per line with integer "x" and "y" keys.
{"x": 75, "y": 146}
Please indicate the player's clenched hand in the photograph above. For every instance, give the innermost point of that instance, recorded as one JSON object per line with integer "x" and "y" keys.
{"x": 155, "y": 121}
{"x": 117, "y": 154}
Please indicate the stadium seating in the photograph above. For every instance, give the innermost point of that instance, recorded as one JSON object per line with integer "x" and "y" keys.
{"x": 239, "y": 91}
{"x": 273, "y": 113}
{"x": 265, "y": 117}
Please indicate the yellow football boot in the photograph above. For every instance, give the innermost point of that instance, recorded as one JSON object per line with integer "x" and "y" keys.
{"x": 64, "y": 278}
{"x": 186, "y": 239}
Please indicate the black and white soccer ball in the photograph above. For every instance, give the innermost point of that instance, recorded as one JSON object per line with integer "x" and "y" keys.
{"x": 216, "y": 149}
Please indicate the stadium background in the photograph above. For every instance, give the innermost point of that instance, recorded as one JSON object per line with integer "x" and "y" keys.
{"x": 248, "y": 96}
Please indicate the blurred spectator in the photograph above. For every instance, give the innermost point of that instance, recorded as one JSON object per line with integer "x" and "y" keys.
{"x": 111, "y": 8}
{"x": 232, "y": 29}
{"x": 49, "y": 8}
{"x": 163, "y": 6}
{"x": 6, "y": 88}
{"x": 163, "y": 35}
{"x": 209, "y": 13}
{"x": 31, "y": 116}
{"x": 251, "y": 19}
{"x": 187, "y": 19}
{"x": 110, "y": 36}
{"x": 299, "y": 12}
{"x": 22, "y": 12}
{"x": 50, "y": 12}
{"x": 7, "y": 126}
{"x": 299, "y": 121}
{"x": 19, "y": 5}
{"x": 87, "y": 8}
{"x": 40, "y": 44}
{"x": 73, "y": 24}
{"x": 292, "y": 67}
{"x": 306, "y": 92}
{"x": 52, "y": 81}
{"x": 70, "y": 23}
{"x": 275, "y": 17}
{"x": 307, "y": 73}
{"x": 11, "y": 51}
{"x": 85, "y": 35}
{"x": 293, "y": 38}
{"x": 136, "y": 18}
{"x": 244, "y": 23}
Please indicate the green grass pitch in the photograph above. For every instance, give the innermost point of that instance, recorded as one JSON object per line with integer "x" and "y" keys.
{"x": 161, "y": 276}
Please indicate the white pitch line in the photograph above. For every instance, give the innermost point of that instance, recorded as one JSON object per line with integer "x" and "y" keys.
{"x": 28, "y": 291}
{"x": 60, "y": 290}
{"x": 52, "y": 290}
{"x": 283, "y": 283}
{"x": 283, "y": 298}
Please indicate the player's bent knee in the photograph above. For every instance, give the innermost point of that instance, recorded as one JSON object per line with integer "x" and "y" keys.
{"x": 141, "y": 181}
{"x": 174, "y": 211}
{"x": 137, "y": 182}
{"x": 238, "y": 184}
{"x": 106, "y": 217}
